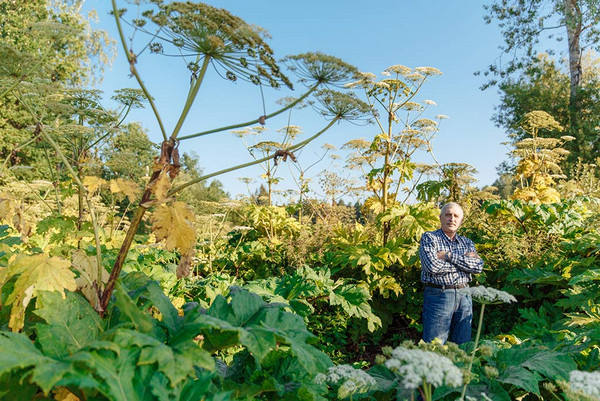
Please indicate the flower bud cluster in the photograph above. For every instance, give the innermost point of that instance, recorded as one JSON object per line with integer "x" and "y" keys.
{"x": 586, "y": 382}
{"x": 488, "y": 295}
{"x": 415, "y": 366}
{"x": 350, "y": 380}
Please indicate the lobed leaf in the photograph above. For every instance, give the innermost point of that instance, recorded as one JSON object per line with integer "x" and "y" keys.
{"x": 36, "y": 273}
{"x": 71, "y": 324}
{"x": 174, "y": 224}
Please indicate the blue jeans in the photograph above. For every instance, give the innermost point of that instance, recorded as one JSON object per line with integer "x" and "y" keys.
{"x": 447, "y": 314}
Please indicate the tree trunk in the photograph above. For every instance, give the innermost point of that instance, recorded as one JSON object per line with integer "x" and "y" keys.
{"x": 573, "y": 20}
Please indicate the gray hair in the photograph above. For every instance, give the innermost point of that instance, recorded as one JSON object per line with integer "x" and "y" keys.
{"x": 449, "y": 205}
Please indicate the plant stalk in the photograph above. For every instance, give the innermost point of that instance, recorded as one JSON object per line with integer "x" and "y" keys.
{"x": 191, "y": 97}
{"x": 125, "y": 246}
{"x": 131, "y": 59}
{"x": 480, "y": 324}
{"x": 240, "y": 125}
{"x": 252, "y": 163}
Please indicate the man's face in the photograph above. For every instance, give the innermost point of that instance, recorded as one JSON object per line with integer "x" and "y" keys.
{"x": 451, "y": 219}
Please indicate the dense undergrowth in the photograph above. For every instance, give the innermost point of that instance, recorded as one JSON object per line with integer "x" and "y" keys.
{"x": 262, "y": 325}
{"x": 123, "y": 276}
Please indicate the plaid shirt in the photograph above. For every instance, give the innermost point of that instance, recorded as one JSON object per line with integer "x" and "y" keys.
{"x": 460, "y": 267}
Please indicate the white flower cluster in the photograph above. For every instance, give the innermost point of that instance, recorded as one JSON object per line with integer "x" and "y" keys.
{"x": 488, "y": 295}
{"x": 415, "y": 365}
{"x": 586, "y": 382}
{"x": 351, "y": 380}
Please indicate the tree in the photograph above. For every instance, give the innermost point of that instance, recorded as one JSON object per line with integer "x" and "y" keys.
{"x": 454, "y": 180}
{"x": 41, "y": 42}
{"x": 545, "y": 86}
{"x": 523, "y": 24}
{"x": 129, "y": 153}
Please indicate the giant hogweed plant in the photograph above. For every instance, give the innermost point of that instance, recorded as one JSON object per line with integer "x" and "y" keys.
{"x": 386, "y": 160}
{"x": 212, "y": 37}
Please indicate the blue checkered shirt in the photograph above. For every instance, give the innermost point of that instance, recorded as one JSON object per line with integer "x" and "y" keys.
{"x": 460, "y": 267}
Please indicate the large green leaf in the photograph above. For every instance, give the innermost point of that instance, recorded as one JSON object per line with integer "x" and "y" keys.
{"x": 147, "y": 292}
{"x": 586, "y": 276}
{"x": 259, "y": 341}
{"x": 170, "y": 316}
{"x": 521, "y": 378}
{"x": 290, "y": 329}
{"x": 18, "y": 352}
{"x": 115, "y": 371}
{"x": 71, "y": 323}
{"x": 524, "y": 366}
{"x": 261, "y": 327}
{"x": 537, "y": 275}
{"x": 244, "y": 305}
{"x": 129, "y": 311}
{"x": 553, "y": 365}
{"x": 353, "y": 300}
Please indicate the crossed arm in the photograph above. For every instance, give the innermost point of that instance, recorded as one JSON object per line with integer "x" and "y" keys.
{"x": 435, "y": 261}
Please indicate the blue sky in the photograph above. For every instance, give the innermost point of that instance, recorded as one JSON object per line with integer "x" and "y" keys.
{"x": 372, "y": 35}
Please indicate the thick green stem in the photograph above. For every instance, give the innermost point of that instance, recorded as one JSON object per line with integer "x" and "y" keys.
{"x": 427, "y": 391}
{"x": 133, "y": 70}
{"x": 480, "y": 324}
{"x": 191, "y": 97}
{"x": 252, "y": 163}
{"x": 240, "y": 125}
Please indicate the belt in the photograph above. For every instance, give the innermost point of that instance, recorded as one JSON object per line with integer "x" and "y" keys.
{"x": 447, "y": 286}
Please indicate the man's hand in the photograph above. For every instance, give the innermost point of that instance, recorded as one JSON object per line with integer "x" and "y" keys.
{"x": 472, "y": 255}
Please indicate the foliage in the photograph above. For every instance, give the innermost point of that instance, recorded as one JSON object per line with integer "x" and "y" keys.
{"x": 135, "y": 354}
{"x": 274, "y": 298}
{"x": 306, "y": 288}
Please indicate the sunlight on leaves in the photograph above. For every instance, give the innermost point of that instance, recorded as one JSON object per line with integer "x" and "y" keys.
{"x": 36, "y": 273}
{"x": 174, "y": 224}
{"x": 128, "y": 188}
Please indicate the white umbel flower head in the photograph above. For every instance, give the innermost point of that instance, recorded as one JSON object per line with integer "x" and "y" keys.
{"x": 415, "y": 365}
{"x": 350, "y": 380}
{"x": 488, "y": 295}
{"x": 586, "y": 382}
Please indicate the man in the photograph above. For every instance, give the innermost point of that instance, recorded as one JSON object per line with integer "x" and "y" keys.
{"x": 447, "y": 262}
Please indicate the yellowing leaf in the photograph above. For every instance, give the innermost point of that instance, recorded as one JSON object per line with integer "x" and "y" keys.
{"x": 175, "y": 224}
{"x": 36, "y": 273}
{"x": 7, "y": 208}
{"x": 162, "y": 185}
{"x": 62, "y": 394}
{"x": 87, "y": 281}
{"x": 92, "y": 183}
{"x": 129, "y": 188}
